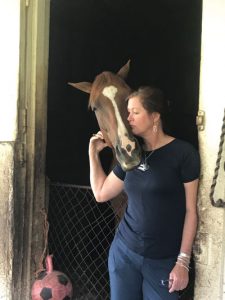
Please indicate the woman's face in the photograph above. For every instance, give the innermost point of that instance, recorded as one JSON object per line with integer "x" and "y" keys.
{"x": 140, "y": 120}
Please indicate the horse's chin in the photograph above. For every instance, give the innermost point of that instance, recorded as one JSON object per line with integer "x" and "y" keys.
{"x": 128, "y": 166}
{"x": 128, "y": 160}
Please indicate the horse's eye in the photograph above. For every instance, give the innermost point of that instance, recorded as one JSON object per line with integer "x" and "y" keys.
{"x": 94, "y": 108}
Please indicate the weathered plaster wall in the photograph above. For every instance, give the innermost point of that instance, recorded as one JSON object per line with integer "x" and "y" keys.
{"x": 9, "y": 62}
{"x": 6, "y": 211}
{"x": 209, "y": 248}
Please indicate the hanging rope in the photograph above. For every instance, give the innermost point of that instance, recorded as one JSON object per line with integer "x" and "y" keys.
{"x": 219, "y": 202}
{"x": 44, "y": 253}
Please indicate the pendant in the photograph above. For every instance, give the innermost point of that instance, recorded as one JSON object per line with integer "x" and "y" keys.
{"x": 143, "y": 167}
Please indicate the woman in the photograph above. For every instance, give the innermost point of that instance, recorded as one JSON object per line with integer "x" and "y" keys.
{"x": 150, "y": 254}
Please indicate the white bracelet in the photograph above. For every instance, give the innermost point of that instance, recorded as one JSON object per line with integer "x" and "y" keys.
{"x": 186, "y": 261}
{"x": 182, "y": 254}
{"x": 180, "y": 264}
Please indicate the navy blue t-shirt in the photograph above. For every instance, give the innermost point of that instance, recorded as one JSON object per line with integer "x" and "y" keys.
{"x": 153, "y": 221}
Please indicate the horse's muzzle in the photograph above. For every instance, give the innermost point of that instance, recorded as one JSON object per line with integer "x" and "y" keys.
{"x": 128, "y": 159}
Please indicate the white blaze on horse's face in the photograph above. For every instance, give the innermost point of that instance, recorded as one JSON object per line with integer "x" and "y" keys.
{"x": 127, "y": 144}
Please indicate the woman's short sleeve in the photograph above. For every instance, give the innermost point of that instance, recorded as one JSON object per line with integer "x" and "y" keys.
{"x": 118, "y": 171}
{"x": 190, "y": 168}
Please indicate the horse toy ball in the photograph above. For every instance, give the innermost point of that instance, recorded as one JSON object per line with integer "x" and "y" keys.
{"x": 51, "y": 285}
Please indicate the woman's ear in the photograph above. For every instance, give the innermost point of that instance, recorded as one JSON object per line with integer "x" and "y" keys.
{"x": 156, "y": 116}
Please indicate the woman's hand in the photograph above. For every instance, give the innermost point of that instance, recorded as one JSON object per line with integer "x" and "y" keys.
{"x": 97, "y": 143}
{"x": 105, "y": 187}
{"x": 179, "y": 278}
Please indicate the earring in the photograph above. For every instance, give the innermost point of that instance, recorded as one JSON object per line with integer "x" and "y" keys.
{"x": 154, "y": 128}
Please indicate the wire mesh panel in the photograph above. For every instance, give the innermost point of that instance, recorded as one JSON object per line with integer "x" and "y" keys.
{"x": 80, "y": 233}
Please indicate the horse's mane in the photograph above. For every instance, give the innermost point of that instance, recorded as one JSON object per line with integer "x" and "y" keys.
{"x": 102, "y": 80}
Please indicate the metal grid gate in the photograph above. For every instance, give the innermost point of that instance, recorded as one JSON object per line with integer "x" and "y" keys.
{"x": 80, "y": 233}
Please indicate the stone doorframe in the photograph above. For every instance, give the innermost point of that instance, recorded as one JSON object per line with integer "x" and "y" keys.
{"x": 30, "y": 186}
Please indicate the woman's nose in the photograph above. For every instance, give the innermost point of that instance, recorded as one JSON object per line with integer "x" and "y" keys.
{"x": 129, "y": 117}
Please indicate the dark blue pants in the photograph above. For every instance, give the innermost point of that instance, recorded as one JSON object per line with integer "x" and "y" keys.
{"x": 133, "y": 277}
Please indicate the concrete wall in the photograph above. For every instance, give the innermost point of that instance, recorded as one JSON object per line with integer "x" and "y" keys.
{"x": 209, "y": 248}
{"x": 6, "y": 212}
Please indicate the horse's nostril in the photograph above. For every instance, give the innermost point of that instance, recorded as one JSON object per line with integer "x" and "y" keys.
{"x": 128, "y": 147}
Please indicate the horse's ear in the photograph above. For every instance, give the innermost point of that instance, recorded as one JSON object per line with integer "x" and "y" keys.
{"x": 83, "y": 86}
{"x": 123, "y": 72}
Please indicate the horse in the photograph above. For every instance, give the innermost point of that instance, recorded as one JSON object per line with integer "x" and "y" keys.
{"x": 108, "y": 94}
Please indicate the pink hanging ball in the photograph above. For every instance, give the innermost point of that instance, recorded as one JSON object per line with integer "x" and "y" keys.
{"x": 52, "y": 285}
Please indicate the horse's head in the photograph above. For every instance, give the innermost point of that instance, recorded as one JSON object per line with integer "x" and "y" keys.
{"x": 108, "y": 93}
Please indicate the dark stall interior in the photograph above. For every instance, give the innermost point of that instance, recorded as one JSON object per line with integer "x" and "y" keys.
{"x": 162, "y": 39}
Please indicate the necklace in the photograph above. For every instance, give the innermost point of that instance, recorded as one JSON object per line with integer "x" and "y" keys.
{"x": 145, "y": 166}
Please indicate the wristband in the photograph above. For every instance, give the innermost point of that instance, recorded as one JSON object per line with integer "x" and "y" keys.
{"x": 183, "y": 254}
